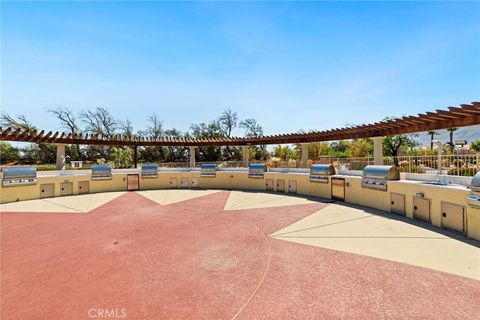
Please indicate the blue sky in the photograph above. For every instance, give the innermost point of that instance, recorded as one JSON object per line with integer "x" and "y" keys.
{"x": 290, "y": 65}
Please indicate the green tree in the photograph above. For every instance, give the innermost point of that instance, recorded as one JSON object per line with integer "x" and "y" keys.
{"x": 254, "y": 130}
{"x": 340, "y": 148}
{"x": 475, "y": 145}
{"x": 361, "y": 148}
{"x": 285, "y": 153}
{"x": 205, "y": 131}
{"x": 122, "y": 157}
{"x": 392, "y": 145}
{"x": 8, "y": 153}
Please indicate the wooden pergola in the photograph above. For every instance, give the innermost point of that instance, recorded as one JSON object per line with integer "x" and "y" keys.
{"x": 464, "y": 115}
{"x": 453, "y": 117}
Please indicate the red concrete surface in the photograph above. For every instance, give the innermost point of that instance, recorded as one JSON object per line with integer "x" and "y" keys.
{"x": 192, "y": 260}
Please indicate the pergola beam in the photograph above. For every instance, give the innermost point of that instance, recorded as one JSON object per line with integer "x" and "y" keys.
{"x": 465, "y": 115}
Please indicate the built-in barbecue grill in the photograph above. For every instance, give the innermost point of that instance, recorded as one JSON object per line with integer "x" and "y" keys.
{"x": 149, "y": 170}
{"x": 256, "y": 170}
{"x": 101, "y": 172}
{"x": 377, "y": 177}
{"x": 474, "y": 197}
{"x": 321, "y": 172}
{"x": 208, "y": 170}
{"x": 15, "y": 176}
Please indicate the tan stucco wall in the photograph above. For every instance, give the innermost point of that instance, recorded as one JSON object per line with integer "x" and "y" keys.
{"x": 354, "y": 193}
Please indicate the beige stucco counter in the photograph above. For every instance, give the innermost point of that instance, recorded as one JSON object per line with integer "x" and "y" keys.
{"x": 53, "y": 184}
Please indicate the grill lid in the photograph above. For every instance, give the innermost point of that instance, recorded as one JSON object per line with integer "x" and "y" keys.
{"x": 257, "y": 167}
{"x": 475, "y": 184}
{"x": 208, "y": 166}
{"x": 19, "y": 172}
{"x": 381, "y": 173}
{"x": 101, "y": 169}
{"x": 150, "y": 167}
{"x": 322, "y": 170}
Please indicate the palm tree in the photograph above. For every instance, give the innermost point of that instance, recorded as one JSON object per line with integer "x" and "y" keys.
{"x": 451, "y": 131}
{"x": 432, "y": 133}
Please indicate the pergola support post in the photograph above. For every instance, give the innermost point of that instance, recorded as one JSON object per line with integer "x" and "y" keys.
{"x": 377, "y": 151}
{"x": 245, "y": 156}
{"x": 135, "y": 156}
{"x": 61, "y": 161}
{"x": 304, "y": 147}
{"x": 192, "y": 156}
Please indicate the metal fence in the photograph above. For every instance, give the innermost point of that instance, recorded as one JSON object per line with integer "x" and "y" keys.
{"x": 454, "y": 165}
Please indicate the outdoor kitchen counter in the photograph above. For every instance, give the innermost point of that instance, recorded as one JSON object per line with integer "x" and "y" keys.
{"x": 275, "y": 181}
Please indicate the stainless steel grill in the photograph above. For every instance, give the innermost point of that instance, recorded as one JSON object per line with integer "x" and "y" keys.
{"x": 256, "y": 170}
{"x": 321, "y": 172}
{"x": 377, "y": 177}
{"x": 15, "y": 176}
{"x": 101, "y": 172}
{"x": 208, "y": 170}
{"x": 149, "y": 171}
{"x": 474, "y": 196}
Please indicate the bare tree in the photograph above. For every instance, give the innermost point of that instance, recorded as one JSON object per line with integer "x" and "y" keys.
{"x": 252, "y": 128}
{"x": 155, "y": 128}
{"x": 69, "y": 122}
{"x": 100, "y": 121}
{"x": 67, "y": 119}
{"x": 126, "y": 127}
{"x": 19, "y": 122}
{"x": 227, "y": 121}
{"x": 33, "y": 153}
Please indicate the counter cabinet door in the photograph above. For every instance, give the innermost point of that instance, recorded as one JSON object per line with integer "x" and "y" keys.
{"x": 397, "y": 203}
{"x": 280, "y": 185}
{"x": 66, "y": 188}
{"x": 421, "y": 209}
{"x": 453, "y": 216}
{"x": 133, "y": 182}
{"x": 83, "y": 187}
{"x": 338, "y": 189}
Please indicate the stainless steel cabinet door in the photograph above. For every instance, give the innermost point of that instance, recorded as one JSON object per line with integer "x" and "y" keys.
{"x": 132, "y": 182}
{"x": 338, "y": 189}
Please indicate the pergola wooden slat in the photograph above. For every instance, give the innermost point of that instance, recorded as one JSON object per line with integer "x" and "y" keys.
{"x": 465, "y": 115}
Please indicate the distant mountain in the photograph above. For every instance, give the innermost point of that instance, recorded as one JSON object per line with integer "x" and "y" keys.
{"x": 466, "y": 133}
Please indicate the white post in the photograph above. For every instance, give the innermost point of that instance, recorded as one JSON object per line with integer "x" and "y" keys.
{"x": 192, "y": 157}
{"x": 377, "y": 151}
{"x": 439, "y": 158}
{"x": 478, "y": 161}
{"x": 304, "y": 147}
{"x": 245, "y": 156}
{"x": 61, "y": 161}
